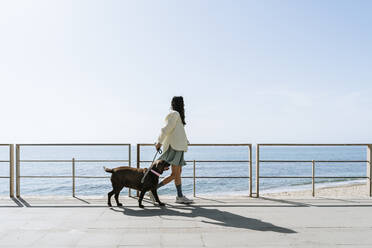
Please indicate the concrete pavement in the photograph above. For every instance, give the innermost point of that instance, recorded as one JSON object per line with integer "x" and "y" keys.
{"x": 210, "y": 222}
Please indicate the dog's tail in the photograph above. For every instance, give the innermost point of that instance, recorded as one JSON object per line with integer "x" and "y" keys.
{"x": 108, "y": 169}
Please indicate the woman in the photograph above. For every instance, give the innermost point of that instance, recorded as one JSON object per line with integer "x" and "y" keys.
{"x": 174, "y": 141}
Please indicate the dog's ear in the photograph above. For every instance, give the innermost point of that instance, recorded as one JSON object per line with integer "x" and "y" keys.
{"x": 162, "y": 165}
{"x": 166, "y": 164}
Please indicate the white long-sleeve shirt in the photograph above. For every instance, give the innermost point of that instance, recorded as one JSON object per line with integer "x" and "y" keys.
{"x": 173, "y": 133}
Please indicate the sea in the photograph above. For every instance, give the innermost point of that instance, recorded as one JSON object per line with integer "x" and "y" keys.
{"x": 203, "y": 186}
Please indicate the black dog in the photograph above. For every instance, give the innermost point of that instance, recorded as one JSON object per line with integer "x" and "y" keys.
{"x": 131, "y": 177}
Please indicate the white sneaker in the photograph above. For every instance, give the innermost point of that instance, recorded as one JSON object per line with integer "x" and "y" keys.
{"x": 184, "y": 200}
{"x": 151, "y": 196}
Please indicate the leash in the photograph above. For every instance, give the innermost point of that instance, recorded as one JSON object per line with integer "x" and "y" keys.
{"x": 150, "y": 168}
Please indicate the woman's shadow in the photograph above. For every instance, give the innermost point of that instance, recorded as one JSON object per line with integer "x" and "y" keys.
{"x": 215, "y": 216}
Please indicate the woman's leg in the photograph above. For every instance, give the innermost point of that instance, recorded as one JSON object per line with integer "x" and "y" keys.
{"x": 177, "y": 174}
{"x": 169, "y": 178}
{"x": 177, "y": 180}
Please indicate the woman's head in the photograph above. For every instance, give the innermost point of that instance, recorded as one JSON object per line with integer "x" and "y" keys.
{"x": 178, "y": 105}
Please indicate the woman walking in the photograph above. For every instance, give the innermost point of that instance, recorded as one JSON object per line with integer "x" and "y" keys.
{"x": 174, "y": 141}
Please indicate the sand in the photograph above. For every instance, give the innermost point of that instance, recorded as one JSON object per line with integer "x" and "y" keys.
{"x": 359, "y": 190}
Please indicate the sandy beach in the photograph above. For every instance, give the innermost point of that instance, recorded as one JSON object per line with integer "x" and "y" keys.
{"x": 358, "y": 190}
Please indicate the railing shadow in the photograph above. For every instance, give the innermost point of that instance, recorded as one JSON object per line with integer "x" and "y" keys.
{"x": 16, "y": 201}
{"x": 24, "y": 202}
{"x": 284, "y": 201}
{"x": 19, "y": 204}
{"x": 81, "y": 200}
{"x": 215, "y": 216}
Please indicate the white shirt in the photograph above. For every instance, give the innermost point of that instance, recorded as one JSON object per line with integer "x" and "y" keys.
{"x": 173, "y": 133}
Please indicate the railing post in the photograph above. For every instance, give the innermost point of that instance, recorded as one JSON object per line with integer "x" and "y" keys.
{"x": 369, "y": 169}
{"x": 138, "y": 161}
{"x": 250, "y": 170}
{"x": 11, "y": 170}
{"x": 18, "y": 183}
{"x": 313, "y": 178}
{"x": 73, "y": 177}
{"x": 194, "y": 179}
{"x": 130, "y": 165}
{"x": 258, "y": 170}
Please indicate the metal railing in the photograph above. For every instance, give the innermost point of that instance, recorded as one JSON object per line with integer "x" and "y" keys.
{"x": 10, "y": 161}
{"x": 72, "y": 160}
{"x": 194, "y": 177}
{"x": 313, "y": 163}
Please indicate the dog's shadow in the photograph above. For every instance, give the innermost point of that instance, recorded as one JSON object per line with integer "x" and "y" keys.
{"x": 215, "y": 216}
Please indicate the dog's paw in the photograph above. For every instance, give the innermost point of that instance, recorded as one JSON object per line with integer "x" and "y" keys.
{"x": 120, "y": 205}
{"x": 141, "y": 206}
{"x": 109, "y": 204}
{"x": 161, "y": 204}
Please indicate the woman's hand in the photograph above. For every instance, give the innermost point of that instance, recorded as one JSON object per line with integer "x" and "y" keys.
{"x": 158, "y": 146}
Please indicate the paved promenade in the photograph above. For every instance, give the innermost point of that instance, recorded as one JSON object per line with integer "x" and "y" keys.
{"x": 212, "y": 222}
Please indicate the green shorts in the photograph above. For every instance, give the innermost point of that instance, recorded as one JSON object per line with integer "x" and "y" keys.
{"x": 173, "y": 157}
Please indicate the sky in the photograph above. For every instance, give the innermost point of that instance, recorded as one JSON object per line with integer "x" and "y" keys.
{"x": 249, "y": 71}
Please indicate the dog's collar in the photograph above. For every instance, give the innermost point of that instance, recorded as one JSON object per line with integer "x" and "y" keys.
{"x": 155, "y": 172}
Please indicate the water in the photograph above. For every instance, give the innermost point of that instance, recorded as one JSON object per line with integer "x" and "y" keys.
{"x": 63, "y": 186}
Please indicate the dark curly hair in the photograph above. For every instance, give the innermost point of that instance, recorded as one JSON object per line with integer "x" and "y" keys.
{"x": 178, "y": 105}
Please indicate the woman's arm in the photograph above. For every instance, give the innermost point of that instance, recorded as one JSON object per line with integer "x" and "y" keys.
{"x": 170, "y": 124}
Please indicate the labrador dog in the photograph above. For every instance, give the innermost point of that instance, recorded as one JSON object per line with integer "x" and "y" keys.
{"x": 131, "y": 178}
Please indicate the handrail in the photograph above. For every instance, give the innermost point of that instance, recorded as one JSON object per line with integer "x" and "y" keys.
{"x": 313, "y": 162}
{"x": 76, "y": 144}
{"x": 207, "y": 161}
{"x": 304, "y": 144}
{"x": 309, "y": 161}
{"x": 205, "y": 144}
{"x": 76, "y": 160}
{"x": 73, "y": 161}
{"x": 11, "y": 168}
{"x": 194, "y": 177}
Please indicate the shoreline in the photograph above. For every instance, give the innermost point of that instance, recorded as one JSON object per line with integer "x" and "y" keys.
{"x": 351, "y": 190}
{"x": 308, "y": 186}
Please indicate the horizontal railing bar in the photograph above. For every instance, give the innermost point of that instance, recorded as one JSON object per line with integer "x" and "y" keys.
{"x": 77, "y": 144}
{"x": 163, "y": 177}
{"x": 312, "y": 144}
{"x": 4, "y": 161}
{"x": 4, "y": 177}
{"x": 202, "y": 177}
{"x": 286, "y": 161}
{"x": 304, "y": 177}
{"x": 206, "y": 161}
{"x": 4, "y": 144}
{"x": 341, "y": 161}
{"x": 341, "y": 177}
{"x": 102, "y": 160}
{"x": 109, "y": 177}
{"x": 147, "y": 144}
{"x": 220, "y": 145}
{"x": 193, "y": 177}
{"x": 285, "y": 177}
{"x": 91, "y": 177}
{"x": 65, "y": 161}
{"x": 46, "y": 176}
{"x": 221, "y": 177}
{"x": 310, "y": 161}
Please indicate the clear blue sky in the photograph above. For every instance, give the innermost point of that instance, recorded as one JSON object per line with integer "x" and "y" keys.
{"x": 250, "y": 71}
